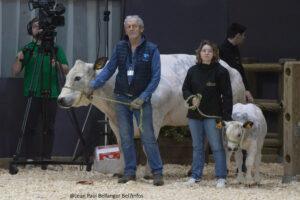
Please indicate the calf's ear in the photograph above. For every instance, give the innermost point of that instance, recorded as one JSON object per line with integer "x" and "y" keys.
{"x": 100, "y": 63}
{"x": 224, "y": 123}
{"x": 248, "y": 125}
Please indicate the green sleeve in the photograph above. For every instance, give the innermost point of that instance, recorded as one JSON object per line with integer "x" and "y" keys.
{"x": 61, "y": 57}
{"x": 27, "y": 49}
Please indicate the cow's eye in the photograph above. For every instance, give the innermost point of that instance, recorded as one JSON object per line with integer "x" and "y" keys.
{"x": 239, "y": 135}
{"x": 77, "y": 78}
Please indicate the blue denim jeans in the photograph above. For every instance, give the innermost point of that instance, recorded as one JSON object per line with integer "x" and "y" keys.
{"x": 199, "y": 129}
{"x": 125, "y": 124}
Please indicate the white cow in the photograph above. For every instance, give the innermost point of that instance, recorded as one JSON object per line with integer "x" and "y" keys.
{"x": 247, "y": 132}
{"x": 167, "y": 101}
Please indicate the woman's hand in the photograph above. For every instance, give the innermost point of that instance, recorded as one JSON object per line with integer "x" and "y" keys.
{"x": 196, "y": 101}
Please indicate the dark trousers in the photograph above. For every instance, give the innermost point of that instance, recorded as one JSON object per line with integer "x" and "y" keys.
{"x": 39, "y": 132}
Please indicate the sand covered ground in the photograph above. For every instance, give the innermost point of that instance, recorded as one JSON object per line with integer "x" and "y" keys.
{"x": 63, "y": 184}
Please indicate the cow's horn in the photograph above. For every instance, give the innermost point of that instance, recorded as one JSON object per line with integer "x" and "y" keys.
{"x": 100, "y": 63}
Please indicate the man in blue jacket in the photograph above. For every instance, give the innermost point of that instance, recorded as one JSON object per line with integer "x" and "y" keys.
{"x": 138, "y": 63}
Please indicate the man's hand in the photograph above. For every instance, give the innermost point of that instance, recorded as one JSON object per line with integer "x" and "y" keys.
{"x": 20, "y": 56}
{"x": 137, "y": 103}
{"x": 219, "y": 125}
{"x": 17, "y": 66}
{"x": 249, "y": 97}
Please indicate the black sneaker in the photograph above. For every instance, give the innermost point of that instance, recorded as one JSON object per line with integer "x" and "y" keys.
{"x": 158, "y": 179}
{"x": 126, "y": 178}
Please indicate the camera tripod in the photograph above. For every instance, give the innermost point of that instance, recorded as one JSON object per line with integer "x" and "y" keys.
{"x": 46, "y": 47}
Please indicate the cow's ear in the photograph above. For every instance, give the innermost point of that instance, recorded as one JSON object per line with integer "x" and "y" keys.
{"x": 224, "y": 123}
{"x": 79, "y": 62}
{"x": 248, "y": 125}
{"x": 100, "y": 63}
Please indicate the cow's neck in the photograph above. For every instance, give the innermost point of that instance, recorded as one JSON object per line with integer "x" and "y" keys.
{"x": 104, "y": 106}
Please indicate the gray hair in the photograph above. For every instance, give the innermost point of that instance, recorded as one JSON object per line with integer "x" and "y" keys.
{"x": 136, "y": 17}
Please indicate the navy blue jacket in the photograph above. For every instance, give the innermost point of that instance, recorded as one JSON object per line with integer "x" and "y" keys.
{"x": 145, "y": 61}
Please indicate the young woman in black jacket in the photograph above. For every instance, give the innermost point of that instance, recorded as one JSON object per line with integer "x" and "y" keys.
{"x": 207, "y": 89}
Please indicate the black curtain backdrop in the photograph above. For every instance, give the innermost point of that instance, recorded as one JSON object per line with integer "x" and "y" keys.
{"x": 178, "y": 26}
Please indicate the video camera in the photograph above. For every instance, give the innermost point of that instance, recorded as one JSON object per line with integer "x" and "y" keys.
{"x": 50, "y": 17}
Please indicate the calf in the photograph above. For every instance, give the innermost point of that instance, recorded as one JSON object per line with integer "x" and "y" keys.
{"x": 247, "y": 131}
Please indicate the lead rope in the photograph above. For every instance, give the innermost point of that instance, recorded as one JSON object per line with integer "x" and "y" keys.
{"x": 90, "y": 97}
{"x": 199, "y": 96}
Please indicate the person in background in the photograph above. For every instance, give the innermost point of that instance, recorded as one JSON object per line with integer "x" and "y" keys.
{"x": 230, "y": 53}
{"x": 41, "y": 83}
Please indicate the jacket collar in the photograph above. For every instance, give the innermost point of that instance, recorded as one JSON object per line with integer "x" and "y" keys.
{"x": 143, "y": 40}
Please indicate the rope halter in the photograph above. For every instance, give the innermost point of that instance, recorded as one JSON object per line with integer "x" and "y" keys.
{"x": 238, "y": 142}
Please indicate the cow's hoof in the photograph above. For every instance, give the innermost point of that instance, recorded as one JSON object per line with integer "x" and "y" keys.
{"x": 240, "y": 179}
{"x": 117, "y": 175}
{"x": 148, "y": 177}
{"x": 249, "y": 183}
{"x": 257, "y": 179}
{"x": 258, "y": 184}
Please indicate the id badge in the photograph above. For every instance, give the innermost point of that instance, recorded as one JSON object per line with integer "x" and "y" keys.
{"x": 130, "y": 71}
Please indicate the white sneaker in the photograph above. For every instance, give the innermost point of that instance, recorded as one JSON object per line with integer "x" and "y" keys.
{"x": 221, "y": 182}
{"x": 192, "y": 181}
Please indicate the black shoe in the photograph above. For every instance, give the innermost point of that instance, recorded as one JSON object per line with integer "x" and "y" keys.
{"x": 158, "y": 179}
{"x": 127, "y": 178}
{"x": 45, "y": 166}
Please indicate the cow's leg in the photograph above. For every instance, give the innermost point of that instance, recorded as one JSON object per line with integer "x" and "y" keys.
{"x": 114, "y": 128}
{"x": 228, "y": 156}
{"x": 157, "y": 120}
{"x": 252, "y": 151}
{"x": 238, "y": 156}
{"x": 256, "y": 166}
{"x": 147, "y": 171}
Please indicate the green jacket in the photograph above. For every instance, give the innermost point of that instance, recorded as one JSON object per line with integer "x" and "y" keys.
{"x": 40, "y": 71}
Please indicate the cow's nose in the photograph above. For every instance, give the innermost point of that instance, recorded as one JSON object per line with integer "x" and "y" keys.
{"x": 61, "y": 101}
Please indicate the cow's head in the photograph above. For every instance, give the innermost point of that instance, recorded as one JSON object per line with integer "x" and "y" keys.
{"x": 75, "y": 91}
{"x": 235, "y": 132}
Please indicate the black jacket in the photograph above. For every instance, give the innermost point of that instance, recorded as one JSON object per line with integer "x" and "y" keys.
{"x": 231, "y": 55}
{"x": 213, "y": 83}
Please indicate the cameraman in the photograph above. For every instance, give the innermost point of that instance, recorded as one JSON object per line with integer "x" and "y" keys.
{"x": 40, "y": 83}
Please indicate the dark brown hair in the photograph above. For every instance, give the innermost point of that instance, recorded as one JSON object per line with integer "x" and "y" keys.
{"x": 234, "y": 29}
{"x": 215, "y": 57}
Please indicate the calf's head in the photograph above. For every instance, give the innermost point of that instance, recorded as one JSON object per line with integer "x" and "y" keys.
{"x": 235, "y": 132}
